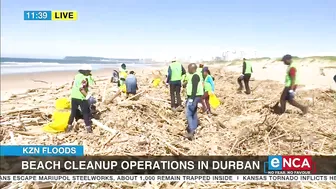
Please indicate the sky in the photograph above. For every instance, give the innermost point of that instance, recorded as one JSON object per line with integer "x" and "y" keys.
{"x": 173, "y": 28}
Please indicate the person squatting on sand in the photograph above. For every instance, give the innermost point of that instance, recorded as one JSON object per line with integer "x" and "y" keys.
{"x": 174, "y": 77}
{"x": 291, "y": 82}
{"x": 121, "y": 82}
{"x": 131, "y": 84}
{"x": 209, "y": 87}
{"x": 246, "y": 76}
{"x": 194, "y": 94}
{"x": 80, "y": 96}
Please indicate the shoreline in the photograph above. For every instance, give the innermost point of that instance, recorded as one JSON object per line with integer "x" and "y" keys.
{"x": 16, "y": 83}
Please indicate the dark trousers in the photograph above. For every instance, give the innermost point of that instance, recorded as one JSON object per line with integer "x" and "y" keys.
{"x": 175, "y": 95}
{"x": 205, "y": 102}
{"x": 85, "y": 110}
{"x": 283, "y": 99}
{"x": 246, "y": 79}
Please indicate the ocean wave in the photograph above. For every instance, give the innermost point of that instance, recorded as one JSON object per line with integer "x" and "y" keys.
{"x": 30, "y": 63}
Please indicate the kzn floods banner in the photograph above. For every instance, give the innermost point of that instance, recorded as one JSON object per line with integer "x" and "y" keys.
{"x": 166, "y": 165}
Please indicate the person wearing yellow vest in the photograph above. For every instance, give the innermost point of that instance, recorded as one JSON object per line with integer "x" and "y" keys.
{"x": 80, "y": 96}
{"x": 121, "y": 85}
{"x": 291, "y": 82}
{"x": 123, "y": 68}
{"x": 194, "y": 93}
{"x": 209, "y": 87}
{"x": 174, "y": 77}
{"x": 245, "y": 76}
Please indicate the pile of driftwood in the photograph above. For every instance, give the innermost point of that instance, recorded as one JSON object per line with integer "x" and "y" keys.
{"x": 243, "y": 125}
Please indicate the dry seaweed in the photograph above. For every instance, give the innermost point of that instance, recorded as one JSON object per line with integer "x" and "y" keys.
{"x": 243, "y": 125}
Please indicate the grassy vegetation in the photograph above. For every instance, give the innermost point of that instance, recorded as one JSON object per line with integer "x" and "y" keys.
{"x": 296, "y": 58}
{"x": 330, "y": 58}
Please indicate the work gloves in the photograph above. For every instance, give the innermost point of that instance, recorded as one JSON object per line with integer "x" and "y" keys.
{"x": 88, "y": 96}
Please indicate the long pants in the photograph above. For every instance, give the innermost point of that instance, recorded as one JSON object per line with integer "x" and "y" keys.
{"x": 205, "y": 102}
{"x": 84, "y": 106}
{"x": 175, "y": 93}
{"x": 246, "y": 79}
{"x": 191, "y": 114}
{"x": 284, "y": 98}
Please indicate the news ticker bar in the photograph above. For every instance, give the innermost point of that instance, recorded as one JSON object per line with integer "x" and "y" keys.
{"x": 61, "y": 15}
{"x": 167, "y": 165}
{"x": 41, "y": 150}
{"x": 168, "y": 178}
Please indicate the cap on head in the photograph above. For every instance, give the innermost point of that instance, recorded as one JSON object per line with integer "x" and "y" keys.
{"x": 86, "y": 67}
{"x": 205, "y": 69}
{"x": 174, "y": 59}
{"x": 286, "y": 57}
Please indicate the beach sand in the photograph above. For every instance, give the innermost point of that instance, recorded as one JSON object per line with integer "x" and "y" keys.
{"x": 244, "y": 125}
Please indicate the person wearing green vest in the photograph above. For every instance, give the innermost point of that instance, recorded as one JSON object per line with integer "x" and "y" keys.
{"x": 209, "y": 87}
{"x": 194, "y": 93}
{"x": 174, "y": 77}
{"x": 291, "y": 82}
{"x": 80, "y": 96}
{"x": 200, "y": 71}
{"x": 245, "y": 76}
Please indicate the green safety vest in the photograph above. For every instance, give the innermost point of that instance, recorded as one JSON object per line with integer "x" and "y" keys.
{"x": 185, "y": 77}
{"x": 288, "y": 78}
{"x": 207, "y": 85}
{"x": 248, "y": 69}
{"x": 122, "y": 70}
{"x": 199, "y": 71}
{"x": 176, "y": 71}
{"x": 91, "y": 80}
{"x": 199, "y": 92}
{"x": 75, "y": 91}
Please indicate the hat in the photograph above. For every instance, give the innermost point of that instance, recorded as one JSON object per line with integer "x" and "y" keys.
{"x": 174, "y": 59}
{"x": 86, "y": 67}
{"x": 205, "y": 69}
{"x": 286, "y": 57}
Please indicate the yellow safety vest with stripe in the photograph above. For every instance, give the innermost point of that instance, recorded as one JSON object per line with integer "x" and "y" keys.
{"x": 176, "y": 71}
{"x": 248, "y": 69}
{"x": 200, "y": 89}
{"x": 122, "y": 75}
{"x": 288, "y": 80}
{"x": 75, "y": 91}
